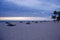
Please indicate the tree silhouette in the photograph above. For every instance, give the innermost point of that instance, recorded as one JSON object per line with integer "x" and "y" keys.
{"x": 56, "y": 16}
{"x": 55, "y": 12}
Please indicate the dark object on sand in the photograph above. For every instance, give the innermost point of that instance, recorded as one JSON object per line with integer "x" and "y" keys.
{"x": 36, "y": 21}
{"x": 28, "y": 23}
{"x": 10, "y": 24}
{"x": 21, "y": 21}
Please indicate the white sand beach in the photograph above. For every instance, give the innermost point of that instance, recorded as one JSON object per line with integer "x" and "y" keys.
{"x": 32, "y": 31}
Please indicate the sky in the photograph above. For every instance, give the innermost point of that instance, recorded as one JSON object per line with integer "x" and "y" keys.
{"x": 28, "y": 8}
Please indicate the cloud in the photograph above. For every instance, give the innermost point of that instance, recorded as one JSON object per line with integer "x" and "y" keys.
{"x": 42, "y": 5}
{"x": 27, "y": 8}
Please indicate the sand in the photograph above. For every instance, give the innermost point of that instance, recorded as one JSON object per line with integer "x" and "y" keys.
{"x": 32, "y": 31}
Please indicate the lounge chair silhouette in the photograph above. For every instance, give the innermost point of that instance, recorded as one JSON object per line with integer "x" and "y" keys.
{"x": 10, "y": 24}
{"x": 28, "y": 23}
